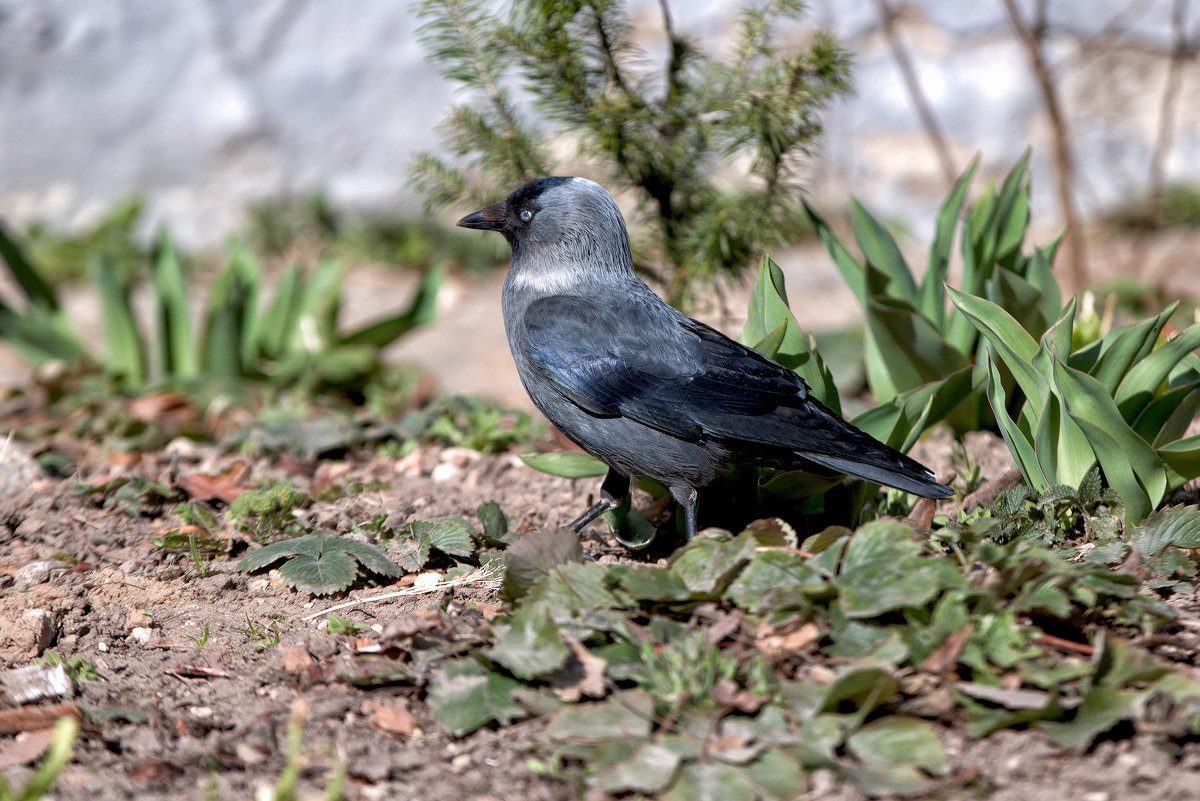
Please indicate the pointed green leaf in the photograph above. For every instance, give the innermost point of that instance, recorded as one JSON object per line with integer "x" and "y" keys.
{"x": 1183, "y": 460}
{"x": 421, "y": 310}
{"x": 278, "y": 334}
{"x": 1164, "y": 419}
{"x": 853, "y": 272}
{"x": 1012, "y": 343}
{"x": 1129, "y": 463}
{"x": 1124, "y": 347}
{"x": 37, "y": 291}
{"x": 126, "y": 354}
{"x": 567, "y": 464}
{"x": 1143, "y": 379}
{"x": 882, "y": 252}
{"x": 932, "y": 297}
{"x": 913, "y": 351}
{"x": 176, "y": 346}
{"x": 1178, "y": 526}
{"x": 1019, "y": 444}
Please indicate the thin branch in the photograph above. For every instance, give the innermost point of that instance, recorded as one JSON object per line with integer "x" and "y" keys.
{"x": 1031, "y": 40}
{"x": 887, "y": 18}
{"x": 1168, "y": 107}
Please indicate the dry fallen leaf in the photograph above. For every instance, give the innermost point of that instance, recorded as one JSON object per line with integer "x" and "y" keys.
{"x": 727, "y": 694}
{"x": 589, "y": 669}
{"x": 773, "y": 645}
{"x": 226, "y": 486}
{"x": 392, "y": 719}
{"x": 27, "y": 748}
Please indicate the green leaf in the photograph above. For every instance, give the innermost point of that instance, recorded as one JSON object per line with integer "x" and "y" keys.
{"x": 1177, "y": 526}
{"x": 529, "y": 644}
{"x": 853, "y": 272}
{"x": 421, "y": 310}
{"x": 1145, "y": 377}
{"x": 327, "y": 572}
{"x": 1019, "y": 444}
{"x": 450, "y": 535}
{"x": 176, "y": 346}
{"x": 866, "y": 687}
{"x": 534, "y": 555}
{"x": 1102, "y": 708}
{"x": 368, "y": 556}
{"x": 37, "y": 291}
{"x": 575, "y": 588}
{"x": 1063, "y": 451}
{"x": 1130, "y": 464}
{"x": 898, "y": 739}
{"x": 913, "y": 351}
{"x": 711, "y": 781}
{"x": 567, "y": 464}
{"x": 626, "y": 716}
{"x": 649, "y": 583}
{"x": 772, "y": 330}
{"x": 279, "y": 332}
{"x": 888, "y": 781}
{"x": 1182, "y": 458}
{"x": 320, "y": 563}
{"x": 771, "y": 574}
{"x": 1165, "y": 418}
{"x": 651, "y": 768}
{"x": 902, "y": 420}
{"x": 1012, "y": 343}
{"x": 1125, "y": 346}
{"x": 882, "y": 252}
{"x": 495, "y": 524}
{"x": 463, "y": 696}
{"x": 705, "y": 564}
{"x": 1020, "y": 298}
{"x": 776, "y": 775}
{"x": 932, "y": 295}
{"x": 126, "y": 353}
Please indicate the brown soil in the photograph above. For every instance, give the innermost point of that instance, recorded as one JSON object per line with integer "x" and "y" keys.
{"x": 200, "y": 707}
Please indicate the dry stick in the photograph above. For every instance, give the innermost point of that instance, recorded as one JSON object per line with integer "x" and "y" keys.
{"x": 1058, "y": 126}
{"x": 887, "y": 18}
{"x": 1168, "y": 106}
{"x": 481, "y": 576}
{"x": 1163, "y": 140}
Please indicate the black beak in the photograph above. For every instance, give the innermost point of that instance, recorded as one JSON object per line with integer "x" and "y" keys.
{"x": 491, "y": 218}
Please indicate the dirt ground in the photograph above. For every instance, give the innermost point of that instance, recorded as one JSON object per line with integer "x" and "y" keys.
{"x": 196, "y": 704}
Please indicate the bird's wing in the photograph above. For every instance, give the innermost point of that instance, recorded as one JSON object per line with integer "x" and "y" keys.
{"x": 651, "y": 364}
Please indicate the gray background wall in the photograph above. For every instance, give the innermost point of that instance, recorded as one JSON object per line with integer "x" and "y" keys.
{"x": 202, "y": 107}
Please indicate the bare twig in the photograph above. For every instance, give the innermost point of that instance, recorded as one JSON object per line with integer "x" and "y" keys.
{"x": 1168, "y": 107}
{"x": 887, "y": 19}
{"x": 1031, "y": 39}
{"x": 484, "y": 576}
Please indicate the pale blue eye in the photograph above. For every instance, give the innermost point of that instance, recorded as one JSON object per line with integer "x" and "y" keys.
{"x": 526, "y": 215}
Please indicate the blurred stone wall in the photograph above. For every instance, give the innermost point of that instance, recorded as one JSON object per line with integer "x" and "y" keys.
{"x": 203, "y": 107}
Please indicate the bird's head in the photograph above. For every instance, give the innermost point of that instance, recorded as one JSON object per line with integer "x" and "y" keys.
{"x": 556, "y": 224}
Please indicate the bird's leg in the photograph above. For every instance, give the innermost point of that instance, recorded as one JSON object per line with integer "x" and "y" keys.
{"x": 612, "y": 492}
{"x": 686, "y": 496}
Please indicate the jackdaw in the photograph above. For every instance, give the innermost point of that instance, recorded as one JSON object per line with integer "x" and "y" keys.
{"x": 645, "y": 389}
